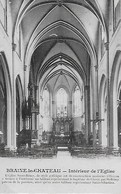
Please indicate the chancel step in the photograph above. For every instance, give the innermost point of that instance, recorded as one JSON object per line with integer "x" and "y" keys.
{"x": 62, "y": 148}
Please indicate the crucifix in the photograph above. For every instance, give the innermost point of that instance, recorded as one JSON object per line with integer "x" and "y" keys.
{"x": 96, "y": 121}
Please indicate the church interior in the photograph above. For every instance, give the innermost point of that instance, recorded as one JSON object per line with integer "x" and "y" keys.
{"x": 60, "y": 76}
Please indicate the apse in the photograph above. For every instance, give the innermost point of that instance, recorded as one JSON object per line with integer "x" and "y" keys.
{"x": 62, "y": 103}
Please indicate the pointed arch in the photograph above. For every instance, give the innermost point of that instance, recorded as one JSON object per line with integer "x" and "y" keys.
{"x": 5, "y": 101}
{"x": 114, "y": 87}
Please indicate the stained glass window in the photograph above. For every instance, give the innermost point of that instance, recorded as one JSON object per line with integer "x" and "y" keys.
{"x": 62, "y": 102}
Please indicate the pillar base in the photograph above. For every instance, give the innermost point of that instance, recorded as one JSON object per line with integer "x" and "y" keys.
{"x": 113, "y": 151}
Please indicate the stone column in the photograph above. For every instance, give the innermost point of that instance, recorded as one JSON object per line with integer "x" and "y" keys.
{"x": 87, "y": 111}
{"x": 9, "y": 129}
{"x": 53, "y": 109}
{"x": 96, "y": 123}
{"x": 13, "y": 131}
{"x": 41, "y": 105}
{"x": 33, "y": 121}
{"x": 70, "y": 108}
{"x": 36, "y": 115}
{"x": 40, "y": 119}
{"x": 109, "y": 132}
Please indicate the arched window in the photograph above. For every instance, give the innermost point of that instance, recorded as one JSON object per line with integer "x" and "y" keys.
{"x": 102, "y": 40}
{"x": 116, "y": 13}
{"x": 46, "y": 102}
{"x": 77, "y": 101}
{"x": 3, "y": 13}
{"x": 61, "y": 103}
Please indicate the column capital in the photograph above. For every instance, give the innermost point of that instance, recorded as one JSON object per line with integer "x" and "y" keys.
{"x": 14, "y": 47}
{"x": 25, "y": 67}
{"x": 96, "y": 67}
{"x": 106, "y": 45}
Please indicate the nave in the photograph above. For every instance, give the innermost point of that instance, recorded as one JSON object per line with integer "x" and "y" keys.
{"x": 60, "y": 76}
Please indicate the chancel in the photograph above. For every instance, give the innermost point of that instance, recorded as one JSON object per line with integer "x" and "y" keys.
{"x": 60, "y": 77}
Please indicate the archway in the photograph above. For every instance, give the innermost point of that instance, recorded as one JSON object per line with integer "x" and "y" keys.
{"x": 67, "y": 112}
{"x": 5, "y": 103}
{"x": 114, "y": 101}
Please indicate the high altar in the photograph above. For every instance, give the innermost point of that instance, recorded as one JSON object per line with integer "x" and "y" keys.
{"x": 62, "y": 128}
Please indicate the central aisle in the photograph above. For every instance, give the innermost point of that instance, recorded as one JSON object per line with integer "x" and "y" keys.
{"x": 64, "y": 155}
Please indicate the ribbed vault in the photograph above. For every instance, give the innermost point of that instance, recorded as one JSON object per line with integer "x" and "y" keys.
{"x": 52, "y": 28}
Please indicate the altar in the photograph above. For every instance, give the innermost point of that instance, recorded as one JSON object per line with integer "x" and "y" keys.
{"x": 62, "y": 128}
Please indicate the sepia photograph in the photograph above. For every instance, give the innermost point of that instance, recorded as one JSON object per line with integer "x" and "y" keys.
{"x": 60, "y": 96}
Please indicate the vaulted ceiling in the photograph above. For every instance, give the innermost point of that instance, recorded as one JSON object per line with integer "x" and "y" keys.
{"x": 59, "y": 32}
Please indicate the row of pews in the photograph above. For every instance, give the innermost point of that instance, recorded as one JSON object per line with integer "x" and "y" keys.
{"x": 89, "y": 151}
{"x": 41, "y": 151}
